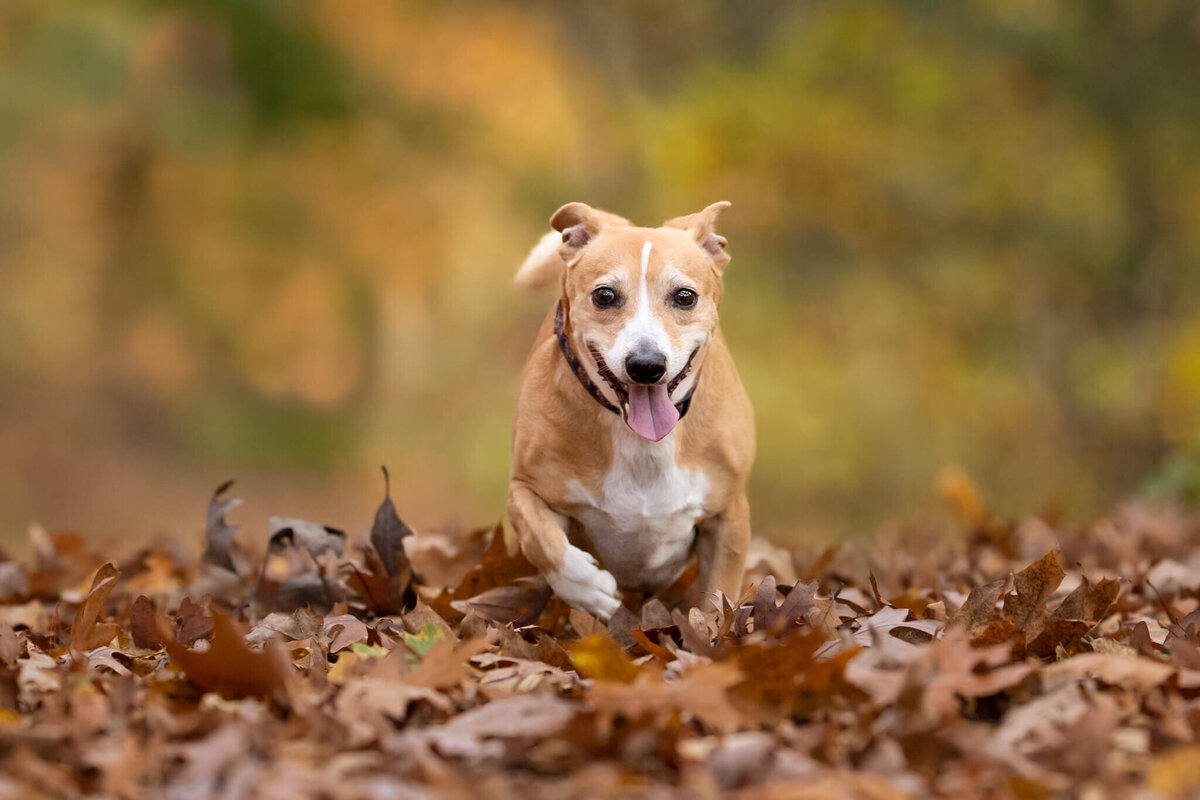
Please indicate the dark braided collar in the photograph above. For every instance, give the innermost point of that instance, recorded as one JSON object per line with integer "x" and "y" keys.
{"x": 564, "y": 344}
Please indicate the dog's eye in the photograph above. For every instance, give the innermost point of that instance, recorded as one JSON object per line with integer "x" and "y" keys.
{"x": 602, "y": 296}
{"x": 684, "y": 298}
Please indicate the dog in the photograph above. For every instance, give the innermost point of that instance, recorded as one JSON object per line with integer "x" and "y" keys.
{"x": 634, "y": 438}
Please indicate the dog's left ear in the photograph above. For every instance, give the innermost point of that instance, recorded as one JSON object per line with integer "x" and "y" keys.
{"x": 700, "y": 226}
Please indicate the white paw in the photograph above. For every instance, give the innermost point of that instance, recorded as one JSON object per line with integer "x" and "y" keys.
{"x": 581, "y": 583}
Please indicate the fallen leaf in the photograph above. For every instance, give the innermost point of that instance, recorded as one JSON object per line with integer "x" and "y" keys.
{"x": 601, "y": 658}
{"x": 87, "y": 632}
{"x": 316, "y": 539}
{"x": 517, "y": 605}
{"x": 231, "y": 667}
{"x": 1136, "y": 673}
{"x": 219, "y": 534}
{"x": 143, "y": 624}
{"x": 388, "y": 533}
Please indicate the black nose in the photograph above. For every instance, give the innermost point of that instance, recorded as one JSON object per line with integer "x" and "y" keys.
{"x": 645, "y": 366}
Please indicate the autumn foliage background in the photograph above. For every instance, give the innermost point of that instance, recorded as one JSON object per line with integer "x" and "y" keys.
{"x": 273, "y": 241}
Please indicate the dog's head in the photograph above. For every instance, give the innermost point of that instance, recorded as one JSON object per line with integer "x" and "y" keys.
{"x": 642, "y": 306}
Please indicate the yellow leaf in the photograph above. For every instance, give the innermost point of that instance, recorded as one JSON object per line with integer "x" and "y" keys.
{"x": 600, "y": 658}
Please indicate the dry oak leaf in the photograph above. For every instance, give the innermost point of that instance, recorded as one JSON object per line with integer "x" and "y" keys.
{"x": 518, "y": 605}
{"x": 389, "y": 532}
{"x": 702, "y": 692}
{"x": 231, "y": 667}
{"x": 499, "y": 568}
{"x": 469, "y": 735}
{"x": 344, "y": 630}
{"x": 445, "y": 666}
{"x": 143, "y": 624}
{"x": 979, "y": 611}
{"x": 1129, "y": 672}
{"x": 219, "y": 533}
{"x": 86, "y": 632}
{"x": 952, "y": 668}
{"x": 192, "y": 622}
{"x": 300, "y": 624}
{"x": 1026, "y": 609}
{"x": 789, "y": 678}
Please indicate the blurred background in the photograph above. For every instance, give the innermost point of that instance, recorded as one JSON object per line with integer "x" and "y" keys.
{"x": 273, "y": 240}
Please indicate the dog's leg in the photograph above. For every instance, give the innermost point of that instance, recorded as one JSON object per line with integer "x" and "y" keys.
{"x": 572, "y": 573}
{"x": 721, "y": 550}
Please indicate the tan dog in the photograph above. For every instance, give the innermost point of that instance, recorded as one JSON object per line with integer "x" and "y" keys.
{"x": 634, "y": 438}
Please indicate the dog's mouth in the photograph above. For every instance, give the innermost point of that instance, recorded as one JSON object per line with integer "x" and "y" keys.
{"x": 647, "y": 408}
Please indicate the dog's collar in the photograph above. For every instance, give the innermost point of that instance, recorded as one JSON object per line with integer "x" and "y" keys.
{"x": 581, "y": 373}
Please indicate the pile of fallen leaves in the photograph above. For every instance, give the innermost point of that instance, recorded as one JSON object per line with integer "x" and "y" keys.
{"x": 1015, "y": 661}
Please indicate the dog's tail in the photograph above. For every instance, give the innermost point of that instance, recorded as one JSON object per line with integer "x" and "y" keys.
{"x": 543, "y": 266}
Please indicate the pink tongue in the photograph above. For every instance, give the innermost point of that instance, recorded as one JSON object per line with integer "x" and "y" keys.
{"x": 652, "y": 415}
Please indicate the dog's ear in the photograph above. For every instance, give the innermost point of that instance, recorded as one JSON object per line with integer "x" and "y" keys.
{"x": 700, "y": 226}
{"x": 579, "y": 224}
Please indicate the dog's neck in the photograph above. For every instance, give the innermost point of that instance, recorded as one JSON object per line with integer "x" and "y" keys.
{"x": 581, "y": 373}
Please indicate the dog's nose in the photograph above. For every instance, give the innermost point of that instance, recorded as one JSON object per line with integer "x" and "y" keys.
{"x": 645, "y": 366}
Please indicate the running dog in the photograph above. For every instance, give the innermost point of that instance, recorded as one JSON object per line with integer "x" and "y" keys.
{"x": 634, "y": 437}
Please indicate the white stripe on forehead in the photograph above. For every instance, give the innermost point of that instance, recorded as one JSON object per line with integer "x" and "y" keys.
{"x": 643, "y": 300}
{"x": 644, "y": 325}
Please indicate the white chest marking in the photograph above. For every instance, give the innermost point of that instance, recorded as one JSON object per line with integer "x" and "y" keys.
{"x": 642, "y": 525}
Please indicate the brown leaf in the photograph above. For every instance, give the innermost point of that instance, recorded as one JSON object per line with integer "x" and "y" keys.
{"x": 1034, "y": 585}
{"x": 143, "y": 624}
{"x": 788, "y": 679}
{"x": 979, "y": 611}
{"x": 192, "y": 623}
{"x": 446, "y": 665}
{"x": 520, "y": 717}
{"x": 289, "y": 532}
{"x": 499, "y": 568}
{"x": 389, "y": 532}
{"x": 344, "y": 630}
{"x": 952, "y": 668}
{"x": 518, "y": 605}
{"x": 1135, "y": 673}
{"x": 219, "y": 533}
{"x": 1087, "y": 602}
{"x": 702, "y": 692}
{"x": 231, "y": 667}
{"x": 383, "y": 594}
{"x": 534, "y": 644}
{"x": 86, "y": 633}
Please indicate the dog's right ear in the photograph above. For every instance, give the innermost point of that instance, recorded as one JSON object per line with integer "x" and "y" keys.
{"x": 579, "y": 224}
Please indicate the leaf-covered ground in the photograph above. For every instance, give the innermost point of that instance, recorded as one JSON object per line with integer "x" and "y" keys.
{"x": 1010, "y": 661}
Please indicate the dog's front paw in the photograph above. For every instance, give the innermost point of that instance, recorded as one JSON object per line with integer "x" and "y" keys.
{"x": 581, "y": 583}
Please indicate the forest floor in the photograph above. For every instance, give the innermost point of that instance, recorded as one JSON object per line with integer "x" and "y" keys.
{"x": 1004, "y": 660}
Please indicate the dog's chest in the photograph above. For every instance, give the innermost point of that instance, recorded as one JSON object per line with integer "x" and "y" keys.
{"x": 641, "y": 523}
